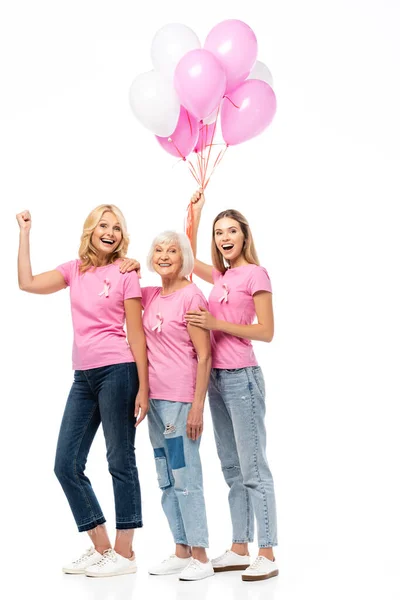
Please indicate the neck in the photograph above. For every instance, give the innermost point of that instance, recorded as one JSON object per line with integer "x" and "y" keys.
{"x": 172, "y": 285}
{"x": 240, "y": 261}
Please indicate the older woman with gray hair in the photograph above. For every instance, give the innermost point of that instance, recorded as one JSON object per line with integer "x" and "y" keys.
{"x": 179, "y": 358}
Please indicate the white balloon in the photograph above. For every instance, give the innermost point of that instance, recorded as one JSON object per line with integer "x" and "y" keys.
{"x": 155, "y": 103}
{"x": 212, "y": 118}
{"x": 170, "y": 44}
{"x": 261, "y": 71}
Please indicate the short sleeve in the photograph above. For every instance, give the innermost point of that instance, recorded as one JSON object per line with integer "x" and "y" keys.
{"x": 147, "y": 294}
{"x": 259, "y": 281}
{"x": 216, "y": 275}
{"x": 195, "y": 301}
{"x": 132, "y": 286}
{"x": 66, "y": 270}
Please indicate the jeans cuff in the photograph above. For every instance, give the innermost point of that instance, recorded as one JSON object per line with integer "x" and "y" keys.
{"x": 91, "y": 525}
{"x": 129, "y": 525}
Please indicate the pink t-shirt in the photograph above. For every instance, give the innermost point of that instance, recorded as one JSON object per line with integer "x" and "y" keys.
{"x": 172, "y": 356}
{"x": 98, "y": 314}
{"x": 231, "y": 300}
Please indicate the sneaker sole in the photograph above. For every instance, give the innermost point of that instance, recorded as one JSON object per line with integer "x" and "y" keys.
{"x": 259, "y": 577}
{"x": 231, "y": 568}
{"x": 167, "y": 573}
{"x": 197, "y": 579}
{"x": 70, "y": 572}
{"x": 130, "y": 572}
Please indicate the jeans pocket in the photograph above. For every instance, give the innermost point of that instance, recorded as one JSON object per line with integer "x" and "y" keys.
{"x": 162, "y": 473}
{"x": 234, "y": 370}
{"x": 259, "y": 380}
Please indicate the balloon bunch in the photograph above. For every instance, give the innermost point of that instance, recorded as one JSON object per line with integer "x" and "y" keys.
{"x": 191, "y": 87}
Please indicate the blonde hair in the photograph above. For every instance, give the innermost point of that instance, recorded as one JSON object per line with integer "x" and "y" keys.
{"x": 87, "y": 252}
{"x": 181, "y": 240}
{"x": 249, "y": 250}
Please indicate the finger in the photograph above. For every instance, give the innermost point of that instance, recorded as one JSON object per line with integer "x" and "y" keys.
{"x": 137, "y": 408}
{"x": 139, "y": 274}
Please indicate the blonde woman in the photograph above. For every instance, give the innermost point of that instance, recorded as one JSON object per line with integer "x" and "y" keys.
{"x": 110, "y": 382}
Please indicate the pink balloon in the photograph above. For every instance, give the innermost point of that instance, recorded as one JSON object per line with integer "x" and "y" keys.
{"x": 200, "y": 82}
{"x": 235, "y": 46}
{"x": 206, "y": 136}
{"x": 247, "y": 111}
{"x": 184, "y": 138}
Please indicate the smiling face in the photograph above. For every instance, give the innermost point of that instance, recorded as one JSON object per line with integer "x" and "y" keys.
{"x": 167, "y": 260}
{"x": 107, "y": 235}
{"x": 229, "y": 238}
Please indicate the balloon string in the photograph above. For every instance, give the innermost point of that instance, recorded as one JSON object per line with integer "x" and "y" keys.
{"x": 216, "y": 163}
{"x": 176, "y": 148}
{"x": 235, "y": 105}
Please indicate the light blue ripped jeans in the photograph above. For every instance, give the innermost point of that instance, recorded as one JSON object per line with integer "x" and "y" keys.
{"x": 179, "y": 472}
{"x": 237, "y": 403}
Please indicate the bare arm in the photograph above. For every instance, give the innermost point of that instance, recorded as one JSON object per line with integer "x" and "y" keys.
{"x": 137, "y": 344}
{"x": 45, "y": 283}
{"x": 201, "y": 269}
{"x": 201, "y": 342}
{"x": 262, "y": 331}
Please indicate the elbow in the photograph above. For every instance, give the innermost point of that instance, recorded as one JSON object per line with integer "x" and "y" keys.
{"x": 204, "y": 358}
{"x": 267, "y": 336}
{"x": 23, "y": 286}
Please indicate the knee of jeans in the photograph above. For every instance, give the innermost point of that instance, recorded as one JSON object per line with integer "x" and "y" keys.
{"x": 164, "y": 481}
{"x": 231, "y": 472}
{"x": 63, "y": 467}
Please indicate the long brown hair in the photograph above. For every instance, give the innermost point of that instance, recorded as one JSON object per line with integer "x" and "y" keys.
{"x": 87, "y": 252}
{"x": 249, "y": 250}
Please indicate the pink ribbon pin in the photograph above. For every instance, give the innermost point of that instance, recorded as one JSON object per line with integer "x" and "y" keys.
{"x": 106, "y": 289}
{"x": 224, "y": 298}
{"x": 157, "y": 327}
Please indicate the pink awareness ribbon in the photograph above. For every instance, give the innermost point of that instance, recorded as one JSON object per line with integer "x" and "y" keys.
{"x": 157, "y": 327}
{"x": 106, "y": 289}
{"x": 224, "y": 298}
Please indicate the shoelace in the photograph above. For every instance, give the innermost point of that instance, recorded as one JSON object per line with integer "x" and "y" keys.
{"x": 194, "y": 563}
{"x": 108, "y": 556}
{"x": 255, "y": 564}
{"x": 169, "y": 558}
{"x": 85, "y": 555}
{"x": 222, "y": 556}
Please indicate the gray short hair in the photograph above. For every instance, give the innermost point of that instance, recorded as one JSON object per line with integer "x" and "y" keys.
{"x": 181, "y": 240}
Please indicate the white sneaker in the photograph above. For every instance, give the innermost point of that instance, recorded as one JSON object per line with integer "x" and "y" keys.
{"x": 78, "y": 566}
{"x": 111, "y": 564}
{"x": 170, "y": 565}
{"x": 230, "y": 561}
{"x": 261, "y": 568}
{"x": 196, "y": 570}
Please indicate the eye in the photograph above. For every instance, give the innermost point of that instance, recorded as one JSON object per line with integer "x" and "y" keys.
{"x": 117, "y": 228}
{"x": 103, "y": 225}
{"x": 173, "y": 251}
{"x": 157, "y": 250}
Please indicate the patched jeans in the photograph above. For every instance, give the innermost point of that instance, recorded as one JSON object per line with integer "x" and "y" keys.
{"x": 104, "y": 395}
{"x": 179, "y": 472}
{"x": 237, "y": 403}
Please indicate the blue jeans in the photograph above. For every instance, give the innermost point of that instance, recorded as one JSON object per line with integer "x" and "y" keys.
{"x": 237, "y": 403}
{"x": 104, "y": 395}
{"x": 179, "y": 472}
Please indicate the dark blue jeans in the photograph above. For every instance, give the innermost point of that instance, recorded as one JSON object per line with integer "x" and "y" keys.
{"x": 104, "y": 395}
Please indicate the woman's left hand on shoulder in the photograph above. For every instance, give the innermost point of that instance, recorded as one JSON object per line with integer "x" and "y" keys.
{"x": 201, "y": 318}
{"x": 141, "y": 406}
{"x": 130, "y": 264}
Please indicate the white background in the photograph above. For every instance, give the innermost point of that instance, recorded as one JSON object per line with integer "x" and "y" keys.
{"x": 319, "y": 188}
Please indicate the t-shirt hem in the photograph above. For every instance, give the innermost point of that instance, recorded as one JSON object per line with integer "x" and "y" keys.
{"x": 235, "y": 366}
{"x": 162, "y": 397}
{"x": 101, "y": 364}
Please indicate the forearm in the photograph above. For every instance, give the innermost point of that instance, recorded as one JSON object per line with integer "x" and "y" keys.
{"x": 195, "y": 230}
{"x": 25, "y": 277}
{"x": 202, "y": 378}
{"x": 138, "y": 349}
{"x": 256, "y": 332}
